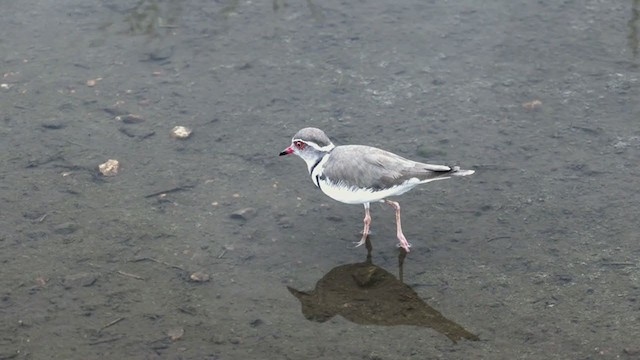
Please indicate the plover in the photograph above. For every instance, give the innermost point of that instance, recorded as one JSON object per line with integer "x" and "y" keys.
{"x": 359, "y": 174}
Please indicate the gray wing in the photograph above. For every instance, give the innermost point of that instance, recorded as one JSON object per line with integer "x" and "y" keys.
{"x": 377, "y": 169}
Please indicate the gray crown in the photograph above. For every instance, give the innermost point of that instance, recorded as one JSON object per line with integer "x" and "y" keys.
{"x": 314, "y": 135}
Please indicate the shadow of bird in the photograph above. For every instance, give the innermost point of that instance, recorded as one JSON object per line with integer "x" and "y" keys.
{"x": 369, "y": 295}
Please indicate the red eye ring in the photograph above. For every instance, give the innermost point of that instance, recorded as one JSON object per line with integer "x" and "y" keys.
{"x": 299, "y": 144}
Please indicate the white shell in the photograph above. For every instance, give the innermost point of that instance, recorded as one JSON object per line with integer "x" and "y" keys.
{"x": 180, "y": 132}
{"x": 109, "y": 168}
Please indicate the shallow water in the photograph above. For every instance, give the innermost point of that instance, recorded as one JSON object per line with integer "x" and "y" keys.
{"x": 536, "y": 253}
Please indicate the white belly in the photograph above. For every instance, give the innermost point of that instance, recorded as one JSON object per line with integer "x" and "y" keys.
{"x": 353, "y": 195}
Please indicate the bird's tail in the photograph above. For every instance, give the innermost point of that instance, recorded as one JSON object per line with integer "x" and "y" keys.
{"x": 456, "y": 171}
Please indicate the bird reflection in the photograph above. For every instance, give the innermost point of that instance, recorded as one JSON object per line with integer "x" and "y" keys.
{"x": 369, "y": 295}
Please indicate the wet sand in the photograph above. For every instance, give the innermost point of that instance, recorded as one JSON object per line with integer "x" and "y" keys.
{"x": 536, "y": 253}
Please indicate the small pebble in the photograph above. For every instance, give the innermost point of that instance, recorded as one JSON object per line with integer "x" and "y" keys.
{"x": 175, "y": 334}
{"x": 130, "y": 119}
{"x": 244, "y": 214}
{"x": 110, "y": 168}
{"x": 532, "y": 105}
{"x": 93, "y": 82}
{"x": 80, "y": 279}
{"x": 285, "y": 222}
{"x": 632, "y": 351}
{"x": 53, "y": 125}
{"x": 67, "y": 228}
{"x": 199, "y": 276}
{"x": 180, "y": 132}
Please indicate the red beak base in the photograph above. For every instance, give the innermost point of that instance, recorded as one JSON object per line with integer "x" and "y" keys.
{"x": 287, "y": 151}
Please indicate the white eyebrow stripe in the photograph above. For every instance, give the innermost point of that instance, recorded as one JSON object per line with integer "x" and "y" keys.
{"x": 316, "y": 146}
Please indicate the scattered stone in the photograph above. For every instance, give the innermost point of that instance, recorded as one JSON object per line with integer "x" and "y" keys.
{"x": 110, "y": 168}
{"x": 199, "y": 276}
{"x": 33, "y": 214}
{"x": 285, "y": 222}
{"x": 93, "y": 82}
{"x": 623, "y": 143}
{"x": 81, "y": 279}
{"x": 67, "y": 228}
{"x": 161, "y": 53}
{"x": 634, "y": 351}
{"x": 181, "y": 132}
{"x": 244, "y": 214}
{"x": 114, "y": 111}
{"x": 175, "y": 334}
{"x": 564, "y": 279}
{"x": 532, "y": 105}
{"x": 217, "y": 339}
{"x": 53, "y": 125}
{"x": 130, "y": 119}
{"x": 188, "y": 309}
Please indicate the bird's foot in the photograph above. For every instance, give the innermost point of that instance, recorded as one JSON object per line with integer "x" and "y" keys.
{"x": 359, "y": 243}
{"x": 365, "y": 234}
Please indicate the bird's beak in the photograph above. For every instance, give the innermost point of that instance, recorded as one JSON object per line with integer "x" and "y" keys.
{"x": 287, "y": 151}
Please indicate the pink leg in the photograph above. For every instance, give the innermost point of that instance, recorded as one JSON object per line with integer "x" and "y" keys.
{"x": 403, "y": 241}
{"x": 367, "y": 222}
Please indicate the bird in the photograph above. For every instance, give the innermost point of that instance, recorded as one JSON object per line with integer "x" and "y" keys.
{"x": 361, "y": 174}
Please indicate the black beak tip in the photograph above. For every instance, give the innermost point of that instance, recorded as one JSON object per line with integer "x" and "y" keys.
{"x": 283, "y": 153}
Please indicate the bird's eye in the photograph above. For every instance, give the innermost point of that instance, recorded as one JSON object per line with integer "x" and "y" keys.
{"x": 299, "y": 144}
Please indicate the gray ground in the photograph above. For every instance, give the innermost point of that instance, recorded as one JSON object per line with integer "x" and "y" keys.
{"x": 537, "y": 253}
